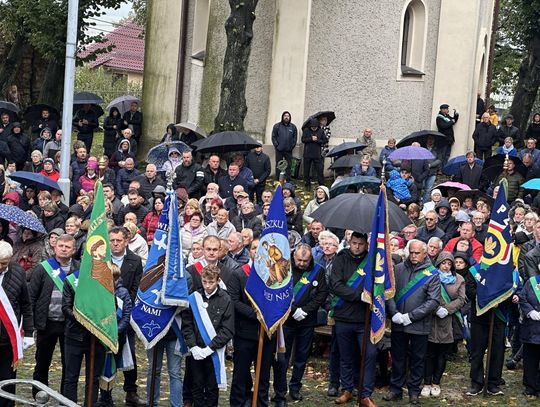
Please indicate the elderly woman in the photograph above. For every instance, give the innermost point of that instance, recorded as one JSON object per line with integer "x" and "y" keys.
{"x": 137, "y": 244}
{"x": 192, "y": 231}
{"x": 436, "y": 196}
{"x": 321, "y": 196}
{"x": 441, "y": 338}
{"x": 36, "y": 163}
{"x": 293, "y": 215}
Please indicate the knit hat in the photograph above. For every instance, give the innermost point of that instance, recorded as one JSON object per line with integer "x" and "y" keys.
{"x": 436, "y": 191}
{"x": 57, "y": 231}
{"x": 48, "y": 160}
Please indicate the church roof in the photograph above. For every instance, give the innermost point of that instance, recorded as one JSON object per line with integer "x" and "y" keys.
{"x": 128, "y": 51}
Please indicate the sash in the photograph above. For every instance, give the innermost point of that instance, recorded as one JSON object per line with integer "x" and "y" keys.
{"x": 417, "y": 281}
{"x": 55, "y": 272}
{"x": 246, "y": 268}
{"x": 73, "y": 279}
{"x": 9, "y": 321}
{"x": 208, "y": 332}
{"x": 535, "y": 286}
{"x": 199, "y": 267}
{"x": 301, "y": 286}
{"x": 464, "y": 328}
{"x": 353, "y": 282}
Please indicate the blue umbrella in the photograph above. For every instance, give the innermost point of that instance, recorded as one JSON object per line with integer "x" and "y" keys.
{"x": 454, "y": 163}
{"x": 532, "y": 184}
{"x": 358, "y": 181}
{"x": 159, "y": 154}
{"x": 41, "y": 182}
{"x": 411, "y": 153}
{"x": 123, "y": 103}
{"x": 21, "y": 218}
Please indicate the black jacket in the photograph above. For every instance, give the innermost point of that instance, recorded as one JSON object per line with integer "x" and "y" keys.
{"x": 19, "y": 145}
{"x": 445, "y": 125}
{"x": 135, "y": 121}
{"x": 221, "y": 312}
{"x": 246, "y": 324}
{"x": 294, "y": 221}
{"x": 148, "y": 186}
{"x": 210, "y": 176}
{"x": 284, "y": 136}
{"x": 312, "y": 149}
{"x": 314, "y": 297}
{"x": 353, "y": 309}
{"x": 72, "y": 329}
{"x": 14, "y": 284}
{"x": 226, "y": 185}
{"x": 131, "y": 273}
{"x": 509, "y": 131}
{"x": 250, "y": 221}
{"x": 484, "y": 319}
{"x": 45, "y": 123}
{"x": 40, "y": 288}
{"x": 192, "y": 178}
{"x": 227, "y": 267}
{"x": 259, "y": 164}
{"x": 484, "y": 136}
{"x": 91, "y": 117}
{"x": 469, "y": 176}
{"x": 533, "y": 130}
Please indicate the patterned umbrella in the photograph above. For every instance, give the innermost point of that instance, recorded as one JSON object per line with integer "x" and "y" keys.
{"x": 159, "y": 154}
{"x": 21, "y": 218}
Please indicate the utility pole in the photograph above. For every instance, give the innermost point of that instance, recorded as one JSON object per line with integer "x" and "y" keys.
{"x": 69, "y": 86}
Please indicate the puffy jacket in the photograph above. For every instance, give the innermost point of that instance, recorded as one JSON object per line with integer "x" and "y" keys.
{"x": 284, "y": 136}
{"x": 14, "y": 285}
{"x": 190, "y": 235}
{"x": 250, "y": 221}
{"x": 150, "y": 223}
{"x": 509, "y": 131}
{"x": 87, "y": 183}
{"x": 421, "y": 303}
{"x": 485, "y": 135}
{"x": 514, "y": 185}
{"x": 19, "y": 145}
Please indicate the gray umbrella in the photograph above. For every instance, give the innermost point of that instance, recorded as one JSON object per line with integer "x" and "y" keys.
{"x": 191, "y": 126}
{"x": 123, "y": 103}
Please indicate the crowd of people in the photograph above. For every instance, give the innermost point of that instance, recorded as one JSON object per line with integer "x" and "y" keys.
{"x": 223, "y": 203}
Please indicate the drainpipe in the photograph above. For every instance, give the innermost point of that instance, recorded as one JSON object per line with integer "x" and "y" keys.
{"x": 182, "y": 61}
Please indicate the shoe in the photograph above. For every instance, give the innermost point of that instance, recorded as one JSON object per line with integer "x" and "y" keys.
{"x": 345, "y": 397}
{"x": 391, "y": 396}
{"x": 281, "y": 403}
{"x": 333, "y": 390}
{"x": 474, "y": 390}
{"x": 414, "y": 400}
{"x": 511, "y": 364}
{"x": 435, "y": 390}
{"x": 187, "y": 404}
{"x": 495, "y": 390}
{"x": 295, "y": 395}
{"x": 367, "y": 402}
{"x": 426, "y": 391}
{"x": 133, "y": 400}
{"x": 529, "y": 394}
{"x": 502, "y": 382}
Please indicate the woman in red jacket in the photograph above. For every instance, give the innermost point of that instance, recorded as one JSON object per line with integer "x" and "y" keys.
{"x": 150, "y": 221}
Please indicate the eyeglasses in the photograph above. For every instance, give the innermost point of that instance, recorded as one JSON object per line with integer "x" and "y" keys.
{"x": 430, "y": 218}
{"x": 409, "y": 233}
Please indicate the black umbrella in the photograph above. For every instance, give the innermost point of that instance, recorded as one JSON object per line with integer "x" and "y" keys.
{"x": 356, "y": 212}
{"x": 227, "y": 141}
{"x": 33, "y": 113}
{"x": 86, "y": 98}
{"x": 421, "y": 137}
{"x": 11, "y": 107}
{"x": 350, "y": 160}
{"x": 330, "y": 116}
{"x": 96, "y": 108}
{"x": 357, "y": 182}
{"x": 344, "y": 147}
{"x": 475, "y": 194}
{"x": 493, "y": 166}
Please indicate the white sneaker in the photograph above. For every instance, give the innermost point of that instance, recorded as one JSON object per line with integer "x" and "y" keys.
{"x": 435, "y": 390}
{"x": 426, "y": 391}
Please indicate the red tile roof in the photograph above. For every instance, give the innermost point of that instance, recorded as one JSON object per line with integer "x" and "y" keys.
{"x": 128, "y": 53}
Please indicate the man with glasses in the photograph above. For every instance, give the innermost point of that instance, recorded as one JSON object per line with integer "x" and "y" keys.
{"x": 409, "y": 232}
{"x": 418, "y": 294}
{"x": 424, "y": 233}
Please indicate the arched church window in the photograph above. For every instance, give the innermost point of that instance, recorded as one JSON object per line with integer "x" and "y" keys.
{"x": 413, "y": 39}
{"x": 200, "y": 29}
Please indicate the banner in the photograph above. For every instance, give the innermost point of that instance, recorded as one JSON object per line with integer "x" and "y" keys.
{"x": 495, "y": 273}
{"x": 379, "y": 283}
{"x": 270, "y": 284}
{"x": 94, "y": 304}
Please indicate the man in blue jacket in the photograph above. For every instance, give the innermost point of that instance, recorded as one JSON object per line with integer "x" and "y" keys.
{"x": 284, "y": 137}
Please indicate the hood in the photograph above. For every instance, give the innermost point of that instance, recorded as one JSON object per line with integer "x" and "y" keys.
{"x": 443, "y": 203}
{"x": 172, "y": 150}
{"x": 113, "y": 109}
{"x": 313, "y": 122}
{"x": 284, "y": 113}
{"x": 173, "y": 129}
{"x": 462, "y": 255}
{"x": 290, "y": 187}
{"x": 325, "y": 189}
{"x": 120, "y": 145}
{"x": 16, "y": 124}
{"x": 444, "y": 256}
{"x": 159, "y": 189}
{"x": 43, "y": 136}
{"x": 14, "y": 196}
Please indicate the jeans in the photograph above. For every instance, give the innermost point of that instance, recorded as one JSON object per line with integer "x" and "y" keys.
{"x": 427, "y": 185}
{"x": 408, "y": 351}
{"x": 45, "y": 344}
{"x": 174, "y": 364}
{"x": 349, "y": 335}
{"x": 7, "y": 372}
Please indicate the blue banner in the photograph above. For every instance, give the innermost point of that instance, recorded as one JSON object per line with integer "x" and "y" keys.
{"x": 270, "y": 284}
{"x": 150, "y": 318}
{"x": 495, "y": 273}
{"x": 379, "y": 283}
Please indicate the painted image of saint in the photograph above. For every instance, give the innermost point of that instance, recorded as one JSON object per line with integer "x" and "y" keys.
{"x": 278, "y": 266}
{"x": 100, "y": 269}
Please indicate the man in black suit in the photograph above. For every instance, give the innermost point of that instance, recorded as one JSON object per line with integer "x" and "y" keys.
{"x": 131, "y": 271}
{"x": 133, "y": 120}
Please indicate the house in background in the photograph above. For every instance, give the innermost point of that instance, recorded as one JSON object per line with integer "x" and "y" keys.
{"x": 126, "y": 59}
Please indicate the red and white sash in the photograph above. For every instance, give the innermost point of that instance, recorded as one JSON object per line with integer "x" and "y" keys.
{"x": 9, "y": 321}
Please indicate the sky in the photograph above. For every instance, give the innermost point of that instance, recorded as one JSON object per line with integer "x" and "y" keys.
{"x": 111, "y": 16}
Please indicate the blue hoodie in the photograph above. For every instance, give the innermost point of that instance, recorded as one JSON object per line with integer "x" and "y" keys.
{"x": 399, "y": 186}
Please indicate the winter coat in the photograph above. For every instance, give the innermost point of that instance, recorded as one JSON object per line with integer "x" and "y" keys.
{"x": 123, "y": 320}
{"x": 484, "y": 319}
{"x": 19, "y": 145}
{"x": 424, "y": 234}
{"x": 223, "y": 232}
{"x": 40, "y": 142}
{"x": 140, "y": 211}
{"x": 484, "y": 136}
{"x": 312, "y": 149}
{"x": 343, "y": 267}
{"x": 87, "y": 183}
{"x": 509, "y": 131}
{"x": 40, "y": 288}
{"x": 260, "y": 166}
{"x": 221, "y": 313}
{"x": 90, "y": 116}
{"x": 210, "y": 176}
{"x": 45, "y": 123}
{"x": 121, "y": 156}
{"x": 477, "y": 248}
{"x": 399, "y": 186}
{"x": 246, "y": 324}
{"x": 385, "y": 152}
{"x": 514, "y": 185}
{"x": 371, "y": 148}
{"x": 173, "y": 162}
{"x": 110, "y": 134}
{"x": 533, "y": 130}
{"x": 421, "y": 303}
{"x": 147, "y": 185}
{"x": 190, "y": 235}
{"x": 313, "y": 298}
{"x": 530, "y": 329}
{"x": 134, "y": 122}
{"x": 191, "y": 177}
{"x": 31, "y": 167}
{"x": 445, "y": 125}
{"x": 535, "y": 154}
{"x": 447, "y": 223}
{"x": 51, "y": 148}
{"x": 250, "y": 221}
{"x": 53, "y": 222}
{"x": 226, "y": 185}
{"x": 314, "y": 204}
{"x": 284, "y": 136}
{"x": 469, "y": 176}
{"x": 150, "y": 224}
{"x": 441, "y": 328}
{"x": 123, "y": 178}
{"x": 357, "y": 170}
{"x": 14, "y": 285}
{"x": 139, "y": 247}
{"x": 241, "y": 257}
{"x": 529, "y": 260}
{"x": 294, "y": 221}
{"x": 31, "y": 249}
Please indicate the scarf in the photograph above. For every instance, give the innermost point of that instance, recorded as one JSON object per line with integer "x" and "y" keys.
{"x": 447, "y": 278}
{"x": 507, "y": 150}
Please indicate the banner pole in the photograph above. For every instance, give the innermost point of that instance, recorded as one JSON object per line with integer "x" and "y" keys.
{"x": 91, "y": 367}
{"x": 258, "y": 368}
{"x": 488, "y": 356}
{"x": 153, "y": 377}
{"x": 365, "y": 336}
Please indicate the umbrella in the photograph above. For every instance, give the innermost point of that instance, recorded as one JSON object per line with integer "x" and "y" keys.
{"x": 344, "y": 147}
{"x": 411, "y": 153}
{"x": 86, "y": 98}
{"x": 358, "y": 181}
{"x": 532, "y": 184}
{"x": 331, "y": 116}
{"x": 41, "y": 182}
{"x": 350, "y": 160}
{"x": 356, "y": 212}
{"x": 454, "y": 163}
{"x": 227, "y": 141}
{"x": 493, "y": 166}
{"x": 445, "y": 186}
{"x": 421, "y": 137}
{"x": 123, "y": 103}
{"x": 475, "y": 194}
{"x": 33, "y": 113}
{"x": 193, "y": 127}
{"x": 159, "y": 154}
{"x": 11, "y": 107}
{"x": 20, "y": 218}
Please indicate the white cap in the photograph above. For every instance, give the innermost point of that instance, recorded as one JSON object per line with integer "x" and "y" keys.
{"x": 6, "y": 251}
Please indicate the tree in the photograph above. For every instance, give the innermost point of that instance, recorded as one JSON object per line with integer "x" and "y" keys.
{"x": 239, "y": 31}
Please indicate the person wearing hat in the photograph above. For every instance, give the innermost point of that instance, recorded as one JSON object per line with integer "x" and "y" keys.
{"x": 49, "y": 171}
{"x": 19, "y": 145}
{"x": 509, "y": 130}
{"x": 445, "y": 125}
{"x": 446, "y": 221}
{"x": 440, "y": 340}
{"x": 15, "y": 302}
{"x": 175, "y": 159}
{"x": 88, "y": 179}
{"x": 436, "y": 196}
{"x": 313, "y": 138}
